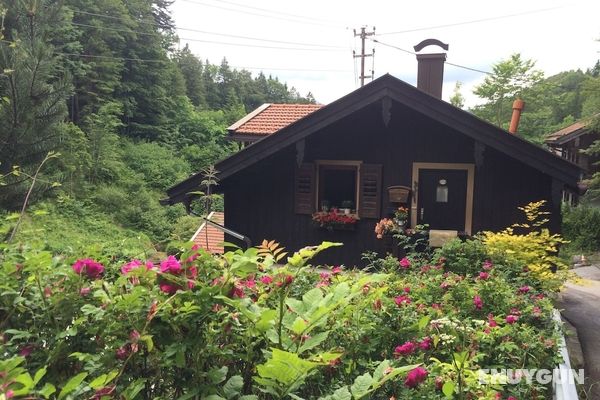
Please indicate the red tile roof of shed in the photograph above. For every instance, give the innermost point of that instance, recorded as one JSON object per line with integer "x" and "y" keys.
{"x": 215, "y": 236}
{"x": 269, "y": 118}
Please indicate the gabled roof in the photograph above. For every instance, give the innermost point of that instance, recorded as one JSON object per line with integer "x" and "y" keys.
{"x": 269, "y": 118}
{"x": 567, "y": 134}
{"x": 208, "y": 237}
{"x": 388, "y": 87}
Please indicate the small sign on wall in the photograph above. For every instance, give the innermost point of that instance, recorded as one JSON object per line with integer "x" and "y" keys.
{"x": 398, "y": 194}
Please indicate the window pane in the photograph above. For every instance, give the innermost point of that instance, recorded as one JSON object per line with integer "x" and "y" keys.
{"x": 337, "y": 186}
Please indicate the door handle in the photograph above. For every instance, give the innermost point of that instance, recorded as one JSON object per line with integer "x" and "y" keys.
{"x": 422, "y": 212}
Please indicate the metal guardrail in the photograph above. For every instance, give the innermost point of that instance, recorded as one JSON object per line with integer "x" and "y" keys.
{"x": 564, "y": 388}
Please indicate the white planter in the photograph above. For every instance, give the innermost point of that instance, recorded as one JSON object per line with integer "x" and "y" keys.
{"x": 565, "y": 389}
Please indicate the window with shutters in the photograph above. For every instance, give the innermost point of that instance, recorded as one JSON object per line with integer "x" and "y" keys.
{"x": 347, "y": 186}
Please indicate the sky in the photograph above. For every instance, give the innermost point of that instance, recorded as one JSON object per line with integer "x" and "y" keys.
{"x": 309, "y": 44}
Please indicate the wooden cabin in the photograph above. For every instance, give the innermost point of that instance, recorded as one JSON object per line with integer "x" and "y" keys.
{"x": 455, "y": 172}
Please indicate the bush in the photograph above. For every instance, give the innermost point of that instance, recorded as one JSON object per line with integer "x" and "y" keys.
{"x": 243, "y": 327}
{"x": 581, "y": 227}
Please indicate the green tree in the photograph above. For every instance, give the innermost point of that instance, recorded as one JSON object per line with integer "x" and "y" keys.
{"x": 507, "y": 81}
{"x": 33, "y": 88}
{"x": 457, "y": 99}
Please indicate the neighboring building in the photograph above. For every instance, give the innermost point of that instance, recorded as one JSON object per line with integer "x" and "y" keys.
{"x": 208, "y": 237}
{"x": 460, "y": 172}
{"x": 569, "y": 143}
{"x": 268, "y": 119}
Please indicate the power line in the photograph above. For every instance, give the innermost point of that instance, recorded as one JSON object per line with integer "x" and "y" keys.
{"x": 274, "y": 12}
{"x": 169, "y": 61}
{"x": 475, "y": 21}
{"x": 414, "y": 54}
{"x": 261, "y": 15}
{"x": 211, "y": 33}
{"x": 212, "y": 41}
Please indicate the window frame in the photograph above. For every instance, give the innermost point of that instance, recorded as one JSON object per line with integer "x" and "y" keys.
{"x": 333, "y": 163}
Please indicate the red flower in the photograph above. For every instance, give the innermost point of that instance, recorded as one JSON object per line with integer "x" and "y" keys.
{"x": 511, "y": 319}
{"x": 484, "y": 276}
{"x": 491, "y": 321}
{"x": 400, "y": 300}
{"x": 266, "y": 280}
{"x": 405, "y": 263}
{"x": 415, "y": 377}
{"x": 123, "y": 352}
{"x": 477, "y": 302}
{"x": 405, "y": 349}
{"x": 336, "y": 270}
{"x": 524, "y": 289}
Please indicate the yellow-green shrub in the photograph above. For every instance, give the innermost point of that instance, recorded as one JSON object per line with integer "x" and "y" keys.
{"x": 536, "y": 249}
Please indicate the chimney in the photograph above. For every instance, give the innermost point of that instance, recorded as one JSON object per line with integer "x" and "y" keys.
{"x": 518, "y": 106}
{"x": 430, "y": 76}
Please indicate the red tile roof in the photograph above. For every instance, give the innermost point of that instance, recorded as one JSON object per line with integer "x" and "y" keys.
{"x": 269, "y": 118}
{"x": 556, "y": 136}
{"x": 215, "y": 236}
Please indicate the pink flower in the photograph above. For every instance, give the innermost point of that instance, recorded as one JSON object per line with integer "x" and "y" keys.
{"x": 26, "y": 350}
{"x": 134, "y": 336}
{"x": 415, "y": 377}
{"x": 487, "y": 265}
{"x": 168, "y": 288}
{"x": 123, "y": 352}
{"x": 266, "y": 280}
{"x": 425, "y": 343}
{"x": 537, "y": 311}
{"x": 194, "y": 255}
{"x": 400, "y": 300}
{"x": 84, "y": 291}
{"x": 405, "y": 263}
{"x": 444, "y": 285}
{"x": 405, "y": 349}
{"x": 406, "y": 289}
{"x": 484, "y": 276}
{"x": 524, "y": 289}
{"x": 104, "y": 392}
{"x": 325, "y": 276}
{"x": 125, "y": 269}
{"x": 336, "y": 270}
{"x": 237, "y": 291}
{"x": 170, "y": 265}
{"x": 250, "y": 283}
{"x": 436, "y": 306}
{"x": 10, "y": 394}
{"x": 92, "y": 269}
{"x": 511, "y": 319}
{"x": 491, "y": 321}
{"x": 477, "y": 302}
{"x": 511, "y": 398}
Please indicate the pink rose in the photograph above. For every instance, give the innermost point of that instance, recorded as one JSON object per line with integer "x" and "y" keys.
{"x": 511, "y": 319}
{"x": 266, "y": 280}
{"x": 405, "y": 263}
{"x": 484, "y": 276}
{"x": 125, "y": 269}
{"x": 477, "y": 302}
{"x": 491, "y": 321}
{"x": 168, "y": 288}
{"x": 415, "y": 377}
{"x": 425, "y": 343}
{"x": 84, "y": 291}
{"x": 336, "y": 270}
{"x": 487, "y": 265}
{"x": 170, "y": 265}
{"x": 92, "y": 269}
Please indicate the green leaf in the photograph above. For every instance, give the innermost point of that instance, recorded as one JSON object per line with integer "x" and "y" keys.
{"x": 380, "y": 370}
{"x": 233, "y": 387}
{"x": 448, "y": 388}
{"x": 248, "y": 397}
{"x": 39, "y": 375}
{"x": 423, "y": 322}
{"x": 313, "y": 342}
{"x": 209, "y": 397}
{"x": 299, "y": 325}
{"x": 72, "y": 384}
{"x": 342, "y": 394}
{"x": 26, "y": 381}
{"x": 361, "y": 385}
{"x": 149, "y": 342}
{"x": 47, "y": 391}
{"x": 134, "y": 389}
{"x": 267, "y": 320}
{"x": 217, "y": 375}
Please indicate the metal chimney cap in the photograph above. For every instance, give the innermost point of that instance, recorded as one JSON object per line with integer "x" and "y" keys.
{"x": 431, "y": 42}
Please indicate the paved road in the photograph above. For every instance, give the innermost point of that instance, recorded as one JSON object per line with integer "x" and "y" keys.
{"x": 580, "y": 305}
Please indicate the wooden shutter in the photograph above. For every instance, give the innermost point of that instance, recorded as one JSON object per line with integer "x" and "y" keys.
{"x": 304, "y": 189}
{"x": 370, "y": 191}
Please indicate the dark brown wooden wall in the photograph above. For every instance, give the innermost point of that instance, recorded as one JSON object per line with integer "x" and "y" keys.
{"x": 259, "y": 201}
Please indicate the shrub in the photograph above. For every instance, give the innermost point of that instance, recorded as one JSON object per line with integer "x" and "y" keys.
{"x": 581, "y": 227}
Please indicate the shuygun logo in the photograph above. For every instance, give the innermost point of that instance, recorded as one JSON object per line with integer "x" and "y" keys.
{"x": 542, "y": 376}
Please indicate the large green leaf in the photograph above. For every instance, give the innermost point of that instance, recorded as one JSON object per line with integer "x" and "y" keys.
{"x": 233, "y": 387}
{"x": 361, "y": 386}
{"x": 72, "y": 384}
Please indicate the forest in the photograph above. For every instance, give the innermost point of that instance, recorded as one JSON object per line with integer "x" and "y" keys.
{"x": 102, "y": 108}
{"x": 103, "y": 88}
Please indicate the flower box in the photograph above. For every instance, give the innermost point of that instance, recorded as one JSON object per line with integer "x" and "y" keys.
{"x": 335, "y": 221}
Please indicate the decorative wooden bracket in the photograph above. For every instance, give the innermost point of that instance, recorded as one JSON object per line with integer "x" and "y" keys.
{"x": 386, "y": 110}
{"x": 300, "y": 145}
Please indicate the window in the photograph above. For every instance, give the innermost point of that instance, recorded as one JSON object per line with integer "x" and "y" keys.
{"x": 338, "y": 184}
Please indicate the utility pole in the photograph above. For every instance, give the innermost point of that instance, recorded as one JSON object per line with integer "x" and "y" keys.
{"x": 363, "y": 35}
